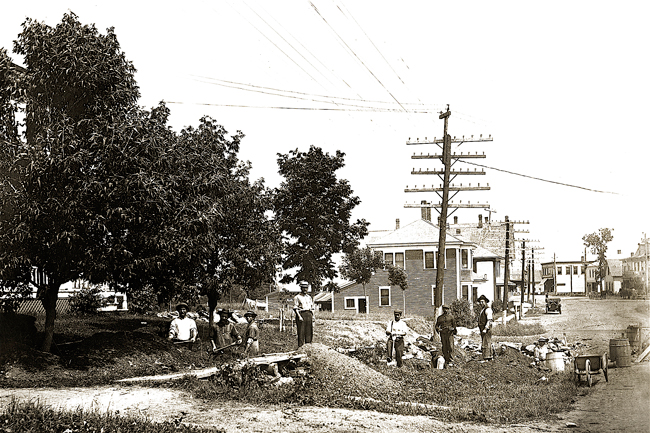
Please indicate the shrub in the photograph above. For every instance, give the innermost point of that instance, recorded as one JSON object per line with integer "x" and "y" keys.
{"x": 462, "y": 311}
{"x": 497, "y": 306}
{"x": 143, "y": 301}
{"x": 87, "y": 301}
{"x": 515, "y": 329}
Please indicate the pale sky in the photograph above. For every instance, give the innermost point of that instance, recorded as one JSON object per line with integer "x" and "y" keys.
{"x": 562, "y": 87}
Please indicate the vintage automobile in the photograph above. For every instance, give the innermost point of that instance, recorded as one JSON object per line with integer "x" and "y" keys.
{"x": 553, "y": 305}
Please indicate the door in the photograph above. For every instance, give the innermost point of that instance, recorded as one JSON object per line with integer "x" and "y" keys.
{"x": 361, "y": 305}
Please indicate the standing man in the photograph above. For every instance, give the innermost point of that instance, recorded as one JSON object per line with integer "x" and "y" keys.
{"x": 485, "y": 326}
{"x": 224, "y": 332}
{"x": 183, "y": 329}
{"x": 396, "y": 330}
{"x": 303, "y": 306}
{"x": 251, "y": 335}
{"x": 446, "y": 328}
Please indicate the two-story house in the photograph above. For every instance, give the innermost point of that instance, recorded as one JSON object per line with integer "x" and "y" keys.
{"x": 565, "y": 277}
{"x": 413, "y": 248}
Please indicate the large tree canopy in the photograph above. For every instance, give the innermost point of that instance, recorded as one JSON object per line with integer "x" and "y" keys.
{"x": 103, "y": 190}
{"x": 313, "y": 209}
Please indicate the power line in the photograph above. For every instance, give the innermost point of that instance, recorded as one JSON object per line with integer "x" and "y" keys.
{"x": 361, "y": 109}
{"x": 537, "y": 178}
{"x": 355, "y": 54}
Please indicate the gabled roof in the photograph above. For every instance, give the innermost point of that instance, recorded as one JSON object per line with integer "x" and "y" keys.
{"x": 420, "y": 232}
{"x": 483, "y": 253}
{"x": 615, "y": 267}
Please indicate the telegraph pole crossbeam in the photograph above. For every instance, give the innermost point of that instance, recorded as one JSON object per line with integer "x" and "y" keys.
{"x": 447, "y": 159}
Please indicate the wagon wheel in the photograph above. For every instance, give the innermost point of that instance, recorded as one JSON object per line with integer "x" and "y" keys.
{"x": 588, "y": 370}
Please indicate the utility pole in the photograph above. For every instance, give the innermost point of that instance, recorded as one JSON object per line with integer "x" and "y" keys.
{"x": 554, "y": 275}
{"x": 645, "y": 241}
{"x": 447, "y": 174}
{"x": 531, "y": 274}
{"x": 506, "y": 273}
{"x": 442, "y": 219}
{"x": 523, "y": 268}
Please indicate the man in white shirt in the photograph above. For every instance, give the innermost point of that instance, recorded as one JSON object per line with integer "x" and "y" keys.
{"x": 303, "y": 306}
{"x": 183, "y": 329}
{"x": 396, "y": 330}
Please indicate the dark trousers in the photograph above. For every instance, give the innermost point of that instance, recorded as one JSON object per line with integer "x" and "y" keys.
{"x": 305, "y": 327}
{"x": 398, "y": 346}
{"x": 447, "y": 340}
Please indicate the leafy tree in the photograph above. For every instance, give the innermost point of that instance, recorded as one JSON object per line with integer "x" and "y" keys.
{"x": 103, "y": 190}
{"x": 597, "y": 244}
{"x": 398, "y": 277}
{"x": 313, "y": 209}
{"x": 360, "y": 265}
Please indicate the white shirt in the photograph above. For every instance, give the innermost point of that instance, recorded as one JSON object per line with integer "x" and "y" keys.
{"x": 180, "y": 328}
{"x": 397, "y": 328}
{"x": 303, "y": 302}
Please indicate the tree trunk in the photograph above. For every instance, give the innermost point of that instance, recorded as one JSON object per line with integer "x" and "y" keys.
{"x": 213, "y": 298}
{"x": 49, "y": 304}
{"x": 404, "y": 303}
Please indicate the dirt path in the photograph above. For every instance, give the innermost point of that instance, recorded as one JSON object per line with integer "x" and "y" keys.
{"x": 622, "y": 405}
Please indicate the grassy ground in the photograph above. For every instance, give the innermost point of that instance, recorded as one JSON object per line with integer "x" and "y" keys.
{"x": 96, "y": 350}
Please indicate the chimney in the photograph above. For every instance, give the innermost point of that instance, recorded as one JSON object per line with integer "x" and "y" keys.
{"x": 426, "y": 211}
{"x": 480, "y": 221}
{"x": 396, "y": 223}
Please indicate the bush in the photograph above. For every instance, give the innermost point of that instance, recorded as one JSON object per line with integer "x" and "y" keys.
{"x": 143, "y": 301}
{"x": 515, "y": 329}
{"x": 462, "y": 311}
{"x": 87, "y": 301}
{"x": 497, "y": 306}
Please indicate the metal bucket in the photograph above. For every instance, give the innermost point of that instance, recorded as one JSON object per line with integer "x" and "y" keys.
{"x": 619, "y": 352}
{"x": 555, "y": 361}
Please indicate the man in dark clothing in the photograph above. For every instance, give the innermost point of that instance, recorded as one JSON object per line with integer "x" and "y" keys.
{"x": 485, "y": 326}
{"x": 446, "y": 327}
{"x": 224, "y": 332}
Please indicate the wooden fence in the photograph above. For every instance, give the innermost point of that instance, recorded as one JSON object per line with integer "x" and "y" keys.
{"x": 34, "y": 307}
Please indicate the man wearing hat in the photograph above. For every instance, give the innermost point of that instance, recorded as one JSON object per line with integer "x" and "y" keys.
{"x": 303, "y": 306}
{"x": 485, "y": 327}
{"x": 224, "y": 332}
{"x": 252, "y": 335}
{"x": 396, "y": 330}
{"x": 183, "y": 329}
{"x": 446, "y": 328}
{"x": 541, "y": 350}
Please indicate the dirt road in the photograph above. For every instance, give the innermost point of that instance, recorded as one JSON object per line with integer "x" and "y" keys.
{"x": 622, "y": 405}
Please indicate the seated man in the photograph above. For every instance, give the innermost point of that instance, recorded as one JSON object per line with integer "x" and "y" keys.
{"x": 183, "y": 329}
{"x": 541, "y": 350}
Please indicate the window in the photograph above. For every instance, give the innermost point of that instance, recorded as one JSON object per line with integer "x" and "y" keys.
{"x": 582, "y": 270}
{"x": 429, "y": 260}
{"x": 350, "y": 304}
{"x": 474, "y": 294}
{"x": 433, "y": 294}
{"x": 464, "y": 254}
{"x": 384, "y": 296}
{"x": 559, "y": 270}
{"x": 388, "y": 258}
{"x": 399, "y": 260}
{"x": 575, "y": 270}
{"x": 466, "y": 292}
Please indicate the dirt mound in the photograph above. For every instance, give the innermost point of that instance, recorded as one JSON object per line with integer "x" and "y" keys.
{"x": 347, "y": 375}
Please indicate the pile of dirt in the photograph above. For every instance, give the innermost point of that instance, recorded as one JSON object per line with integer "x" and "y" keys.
{"x": 346, "y": 375}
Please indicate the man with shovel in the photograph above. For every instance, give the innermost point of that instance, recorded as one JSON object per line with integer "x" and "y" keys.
{"x": 224, "y": 333}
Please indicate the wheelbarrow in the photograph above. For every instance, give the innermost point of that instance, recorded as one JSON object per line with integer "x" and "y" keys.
{"x": 588, "y": 365}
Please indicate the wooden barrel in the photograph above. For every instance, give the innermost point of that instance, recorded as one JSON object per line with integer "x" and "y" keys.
{"x": 555, "y": 361}
{"x": 619, "y": 352}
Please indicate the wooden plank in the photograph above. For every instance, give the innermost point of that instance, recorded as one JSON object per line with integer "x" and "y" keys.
{"x": 643, "y": 355}
{"x": 200, "y": 374}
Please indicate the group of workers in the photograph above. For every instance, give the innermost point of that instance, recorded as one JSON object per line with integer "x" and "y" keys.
{"x": 224, "y": 335}
{"x": 446, "y": 328}
{"x": 183, "y": 329}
